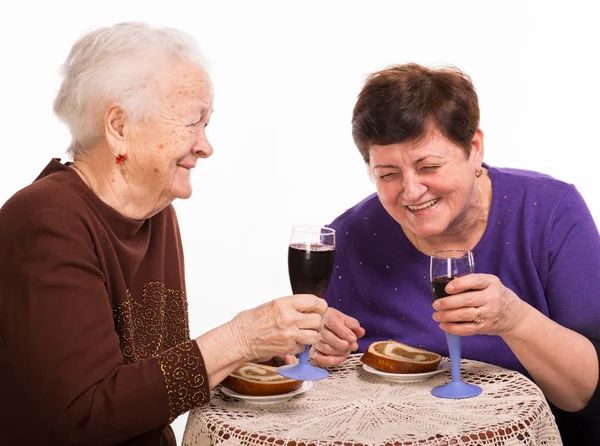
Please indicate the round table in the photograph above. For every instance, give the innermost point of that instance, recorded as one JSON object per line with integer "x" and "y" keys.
{"x": 353, "y": 407}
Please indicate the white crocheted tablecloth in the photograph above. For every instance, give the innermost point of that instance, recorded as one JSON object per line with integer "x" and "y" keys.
{"x": 353, "y": 407}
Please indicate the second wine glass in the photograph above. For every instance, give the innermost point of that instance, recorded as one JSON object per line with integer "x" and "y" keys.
{"x": 445, "y": 266}
{"x": 311, "y": 255}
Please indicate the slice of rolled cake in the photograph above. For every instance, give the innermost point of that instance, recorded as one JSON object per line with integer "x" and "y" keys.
{"x": 259, "y": 380}
{"x": 395, "y": 357}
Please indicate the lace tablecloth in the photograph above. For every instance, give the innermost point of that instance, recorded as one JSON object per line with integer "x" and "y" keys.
{"x": 353, "y": 407}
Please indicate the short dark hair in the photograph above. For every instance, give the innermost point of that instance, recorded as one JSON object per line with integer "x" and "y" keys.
{"x": 400, "y": 103}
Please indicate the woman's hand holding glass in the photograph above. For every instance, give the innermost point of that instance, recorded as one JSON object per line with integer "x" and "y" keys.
{"x": 281, "y": 327}
{"x": 446, "y": 266}
{"x": 479, "y": 295}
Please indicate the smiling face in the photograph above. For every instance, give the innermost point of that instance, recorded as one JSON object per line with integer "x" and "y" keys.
{"x": 163, "y": 148}
{"x": 429, "y": 187}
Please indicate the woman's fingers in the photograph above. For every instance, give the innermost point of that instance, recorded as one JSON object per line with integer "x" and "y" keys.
{"x": 466, "y": 299}
{"x": 326, "y": 360}
{"x": 463, "y": 329}
{"x": 307, "y": 337}
{"x": 332, "y": 344}
{"x": 311, "y": 321}
{"x": 465, "y": 314}
{"x": 485, "y": 306}
{"x": 283, "y": 326}
{"x": 470, "y": 282}
{"x": 307, "y": 303}
{"x": 290, "y": 359}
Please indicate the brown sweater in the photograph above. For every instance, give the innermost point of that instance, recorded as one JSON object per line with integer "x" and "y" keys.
{"x": 94, "y": 337}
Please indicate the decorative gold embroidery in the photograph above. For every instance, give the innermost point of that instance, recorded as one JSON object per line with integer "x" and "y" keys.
{"x": 158, "y": 327}
{"x": 186, "y": 386}
{"x": 155, "y": 324}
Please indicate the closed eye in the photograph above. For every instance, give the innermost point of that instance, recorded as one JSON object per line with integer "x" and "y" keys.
{"x": 431, "y": 168}
{"x": 198, "y": 123}
{"x": 388, "y": 176}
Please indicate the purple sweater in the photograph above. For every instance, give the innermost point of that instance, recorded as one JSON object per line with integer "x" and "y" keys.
{"x": 540, "y": 240}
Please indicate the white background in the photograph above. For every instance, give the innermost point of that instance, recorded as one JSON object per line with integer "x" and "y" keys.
{"x": 286, "y": 75}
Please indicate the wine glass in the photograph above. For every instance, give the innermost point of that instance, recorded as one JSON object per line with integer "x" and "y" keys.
{"x": 311, "y": 255}
{"x": 444, "y": 267}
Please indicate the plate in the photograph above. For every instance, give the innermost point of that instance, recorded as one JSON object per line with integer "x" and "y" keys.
{"x": 408, "y": 377}
{"x": 269, "y": 399}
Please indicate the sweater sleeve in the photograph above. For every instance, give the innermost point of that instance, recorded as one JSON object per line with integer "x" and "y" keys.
{"x": 572, "y": 291}
{"x": 60, "y": 336}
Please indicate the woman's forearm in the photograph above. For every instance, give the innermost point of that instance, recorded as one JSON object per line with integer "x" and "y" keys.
{"x": 563, "y": 363}
{"x": 221, "y": 352}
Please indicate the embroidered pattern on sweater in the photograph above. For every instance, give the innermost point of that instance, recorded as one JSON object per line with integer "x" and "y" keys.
{"x": 184, "y": 379}
{"x": 155, "y": 324}
{"x": 158, "y": 327}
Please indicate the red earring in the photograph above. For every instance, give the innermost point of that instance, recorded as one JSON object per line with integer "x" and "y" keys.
{"x": 120, "y": 158}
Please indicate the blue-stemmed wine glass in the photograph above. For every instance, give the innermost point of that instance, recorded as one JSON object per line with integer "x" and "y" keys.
{"x": 311, "y": 254}
{"x": 444, "y": 267}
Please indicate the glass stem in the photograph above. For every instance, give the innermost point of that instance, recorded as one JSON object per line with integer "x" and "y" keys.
{"x": 454, "y": 342}
{"x": 304, "y": 355}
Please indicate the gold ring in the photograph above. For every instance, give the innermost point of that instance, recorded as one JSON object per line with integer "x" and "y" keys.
{"x": 478, "y": 319}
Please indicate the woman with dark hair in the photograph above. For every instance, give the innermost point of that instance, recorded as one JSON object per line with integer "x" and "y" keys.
{"x": 533, "y": 304}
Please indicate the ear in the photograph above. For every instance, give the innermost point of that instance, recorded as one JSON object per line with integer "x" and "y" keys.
{"x": 115, "y": 120}
{"x": 477, "y": 148}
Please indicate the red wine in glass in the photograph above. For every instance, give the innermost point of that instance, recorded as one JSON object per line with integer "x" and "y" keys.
{"x": 445, "y": 266}
{"x": 310, "y": 267}
{"x": 438, "y": 286}
{"x": 311, "y": 255}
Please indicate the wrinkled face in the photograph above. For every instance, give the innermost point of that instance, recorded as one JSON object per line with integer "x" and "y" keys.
{"x": 163, "y": 148}
{"x": 428, "y": 187}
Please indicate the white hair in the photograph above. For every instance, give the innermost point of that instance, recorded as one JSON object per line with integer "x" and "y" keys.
{"x": 116, "y": 64}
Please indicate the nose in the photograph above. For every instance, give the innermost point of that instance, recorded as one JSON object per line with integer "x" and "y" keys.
{"x": 202, "y": 148}
{"x": 413, "y": 188}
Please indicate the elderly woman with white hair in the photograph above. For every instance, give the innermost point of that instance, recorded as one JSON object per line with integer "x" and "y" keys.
{"x": 94, "y": 339}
